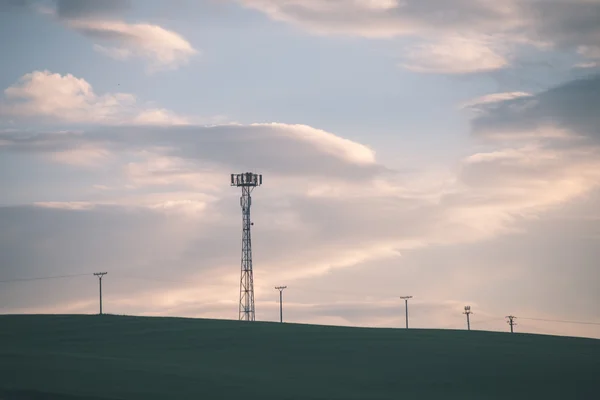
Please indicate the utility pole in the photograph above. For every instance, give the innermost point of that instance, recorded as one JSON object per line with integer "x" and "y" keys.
{"x": 248, "y": 182}
{"x": 100, "y": 275}
{"x": 405, "y": 298}
{"x": 280, "y": 288}
{"x": 467, "y": 313}
{"x": 511, "y": 322}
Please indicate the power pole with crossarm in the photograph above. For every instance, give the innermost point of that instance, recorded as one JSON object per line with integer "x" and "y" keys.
{"x": 511, "y": 322}
{"x": 467, "y": 313}
{"x": 280, "y": 288}
{"x": 100, "y": 275}
{"x": 405, "y": 298}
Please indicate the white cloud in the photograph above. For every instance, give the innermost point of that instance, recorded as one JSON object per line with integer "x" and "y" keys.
{"x": 159, "y": 116}
{"x": 163, "y": 48}
{"x": 493, "y": 98}
{"x": 351, "y": 151}
{"x": 523, "y": 181}
{"x": 456, "y": 55}
{"x": 100, "y": 21}
{"x": 388, "y": 18}
{"x": 70, "y": 205}
{"x": 158, "y": 170}
{"x": 87, "y": 155}
{"x": 590, "y": 64}
{"x": 592, "y": 52}
{"x": 66, "y": 98}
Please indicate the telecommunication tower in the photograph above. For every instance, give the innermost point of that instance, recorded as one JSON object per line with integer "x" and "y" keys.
{"x": 247, "y": 181}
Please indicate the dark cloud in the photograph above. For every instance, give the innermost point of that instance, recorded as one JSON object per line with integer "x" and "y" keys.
{"x": 566, "y": 23}
{"x": 70, "y": 9}
{"x": 15, "y": 5}
{"x": 280, "y": 149}
{"x": 501, "y": 26}
{"x": 572, "y": 106}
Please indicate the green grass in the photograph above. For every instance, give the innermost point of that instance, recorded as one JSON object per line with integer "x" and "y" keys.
{"x": 114, "y": 357}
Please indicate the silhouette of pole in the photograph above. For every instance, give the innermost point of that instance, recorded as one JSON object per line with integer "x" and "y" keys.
{"x": 511, "y": 322}
{"x": 280, "y": 288}
{"x": 100, "y": 275}
{"x": 405, "y": 298}
{"x": 467, "y": 313}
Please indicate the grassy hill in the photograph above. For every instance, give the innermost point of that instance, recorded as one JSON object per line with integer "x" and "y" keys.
{"x": 113, "y": 357}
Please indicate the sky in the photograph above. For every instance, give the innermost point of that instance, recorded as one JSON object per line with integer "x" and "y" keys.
{"x": 444, "y": 149}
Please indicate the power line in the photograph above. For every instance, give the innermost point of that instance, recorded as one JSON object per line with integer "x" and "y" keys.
{"x": 44, "y": 278}
{"x": 300, "y": 289}
{"x": 485, "y": 321}
{"x": 152, "y": 279}
{"x": 562, "y": 321}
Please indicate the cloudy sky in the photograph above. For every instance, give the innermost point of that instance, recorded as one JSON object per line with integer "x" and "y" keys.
{"x": 444, "y": 149}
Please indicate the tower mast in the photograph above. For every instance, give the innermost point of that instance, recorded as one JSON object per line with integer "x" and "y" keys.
{"x": 247, "y": 181}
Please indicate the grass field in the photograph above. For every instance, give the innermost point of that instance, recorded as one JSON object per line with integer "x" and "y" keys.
{"x": 114, "y": 357}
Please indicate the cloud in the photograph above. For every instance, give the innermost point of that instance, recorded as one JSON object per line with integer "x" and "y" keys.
{"x": 15, "y": 5}
{"x": 101, "y": 21}
{"x": 91, "y": 8}
{"x": 164, "y": 48}
{"x": 494, "y": 29}
{"x": 330, "y": 178}
{"x": 454, "y": 56}
{"x": 546, "y": 149}
{"x": 569, "y": 109}
{"x": 291, "y": 151}
{"x": 66, "y": 98}
{"x": 565, "y": 23}
{"x": 159, "y": 116}
{"x": 493, "y": 98}
{"x": 386, "y": 18}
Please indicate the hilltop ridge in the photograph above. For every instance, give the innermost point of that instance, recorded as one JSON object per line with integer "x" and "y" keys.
{"x": 121, "y": 357}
